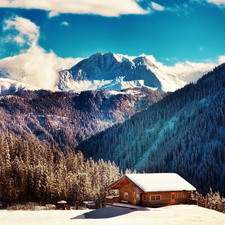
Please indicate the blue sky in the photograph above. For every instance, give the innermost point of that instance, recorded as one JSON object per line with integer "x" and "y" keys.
{"x": 172, "y": 31}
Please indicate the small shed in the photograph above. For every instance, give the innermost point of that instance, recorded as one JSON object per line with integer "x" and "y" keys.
{"x": 61, "y": 204}
{"x": 153, "y": 189}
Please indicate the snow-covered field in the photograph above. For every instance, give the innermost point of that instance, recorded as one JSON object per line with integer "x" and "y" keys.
{"x": 170, "y": 215}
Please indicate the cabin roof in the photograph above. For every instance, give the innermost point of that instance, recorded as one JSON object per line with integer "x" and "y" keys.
{"x": 154, "y": 182}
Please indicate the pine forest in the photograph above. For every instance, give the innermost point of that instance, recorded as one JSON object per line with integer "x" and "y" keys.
{"x": 35, "y": 172}
{"x": 43, "y": 161}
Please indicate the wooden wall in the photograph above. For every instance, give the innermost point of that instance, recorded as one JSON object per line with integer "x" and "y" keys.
{"x": 165, "y": 199}
{"x": 133, "y": 193}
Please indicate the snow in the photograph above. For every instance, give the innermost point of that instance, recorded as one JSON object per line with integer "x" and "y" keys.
{"x": 104, "y": 71}
{"x": 150, "y": 182}
{"x": 116, "y": 71}
{"x": 118, "y": 83}
{"x": 170, "y": 215}
{"x": 123, "y": 205}
{"x": 120, "y": 58}
{"x": 8, "y": 85}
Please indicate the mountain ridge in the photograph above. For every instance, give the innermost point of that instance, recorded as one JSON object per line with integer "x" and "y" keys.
{"x": 182, "y": 133}
{"x": 105, "y": 71}
{"x": 64, "y": 119}
{"x": 109, "y": 66}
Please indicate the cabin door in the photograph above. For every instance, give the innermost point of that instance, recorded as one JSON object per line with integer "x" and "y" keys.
{"x": 173, "y": 199}
{"x": 135, "y": 196}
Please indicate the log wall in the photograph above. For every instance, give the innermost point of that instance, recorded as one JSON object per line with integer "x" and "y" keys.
{"x": 165, "y": 198}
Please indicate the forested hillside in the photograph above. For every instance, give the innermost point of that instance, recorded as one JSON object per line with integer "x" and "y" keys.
{"x": 182, "y": 133}
{"x": 31, "y": 171}
{"x": 64, "y": 119}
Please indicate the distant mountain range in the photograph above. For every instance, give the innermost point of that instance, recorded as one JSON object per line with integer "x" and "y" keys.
{"x": 64, "y": 119}
{"x": 100, "y": 71}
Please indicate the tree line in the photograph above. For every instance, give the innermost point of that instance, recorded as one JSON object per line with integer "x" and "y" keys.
{"x": 38, "y": 172}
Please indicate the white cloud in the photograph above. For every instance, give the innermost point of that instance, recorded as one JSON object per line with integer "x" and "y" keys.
{"x": 157, "y": 6}
{"x": 27, "y": 32}
{"x": 178, "y": 9}
{"x": 52, "y": 14}
{"x": 217, "y": 2}
{"x": 99, "y": 7}
{"x": 221, "y": 59}
{"x": 187, "y": 71}
{"x": 33, "y": 66}
{"x": 36, "y": 67}
{"x": 64, "y": 23}
{"x": 172, "y": 59}
{"x": 19, "y": 40}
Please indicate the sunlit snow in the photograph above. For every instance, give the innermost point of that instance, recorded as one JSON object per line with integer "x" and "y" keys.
{"x": 170, "y": 215}
{"x": 160, "y": 182}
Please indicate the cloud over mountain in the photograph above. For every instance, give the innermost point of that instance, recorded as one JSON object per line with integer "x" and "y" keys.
{"x": 186, "y": 71}
{"x": 33, "y": 66}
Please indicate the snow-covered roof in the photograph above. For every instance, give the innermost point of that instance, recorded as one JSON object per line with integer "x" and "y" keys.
{"x": 61, "y": 202}
{"x": 153, "y": 182}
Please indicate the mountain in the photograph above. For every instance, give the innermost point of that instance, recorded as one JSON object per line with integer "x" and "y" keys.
{"x": 8, "y": 86}
{"x": 182, "y": 133}
{"x": 64, "y": 119}
{"x": 101, "y": 71}
{"x": 114, "y": 71}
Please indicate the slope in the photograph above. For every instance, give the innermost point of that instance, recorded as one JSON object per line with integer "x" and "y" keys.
{"x": 182, "y": 133}
{"x": 170, "y": 215}
{"x": 64, "y": 119}
{"x": 8, "y": 86}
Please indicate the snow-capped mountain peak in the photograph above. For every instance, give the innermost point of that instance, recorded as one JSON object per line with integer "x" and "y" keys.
{"x": 103, "y": 71}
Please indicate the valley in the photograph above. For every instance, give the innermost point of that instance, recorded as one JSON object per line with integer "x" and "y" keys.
{"x": 137, "y": 128}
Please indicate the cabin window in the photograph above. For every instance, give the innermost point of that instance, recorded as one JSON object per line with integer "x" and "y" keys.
{"x": 126, "y": 195}
{"x": 180, "y": 195}
{"x": 137, "y": 196}
{"x": 173, "y": 196}
{"x": 155, "y": 197}
{"x": 145, "y": 198}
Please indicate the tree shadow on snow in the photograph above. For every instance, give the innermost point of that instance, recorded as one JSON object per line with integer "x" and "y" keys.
{"x": 104, "y": 213}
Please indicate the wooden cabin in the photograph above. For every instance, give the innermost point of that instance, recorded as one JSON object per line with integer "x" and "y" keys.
{"x": 153, "y": 189}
